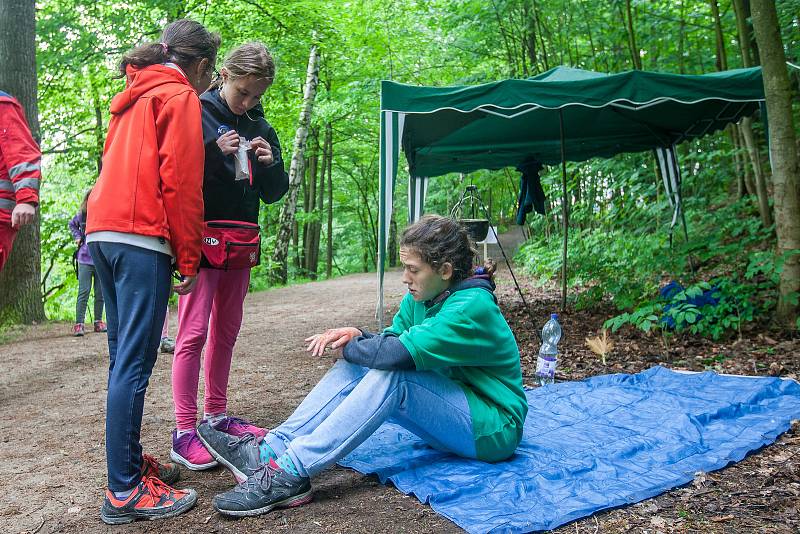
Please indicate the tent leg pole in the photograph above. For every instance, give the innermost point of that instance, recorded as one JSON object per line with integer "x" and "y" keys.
{"x": 565, "y": 212}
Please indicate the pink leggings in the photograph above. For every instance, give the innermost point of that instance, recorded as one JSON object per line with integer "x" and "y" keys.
{"x": 218, "y": 295}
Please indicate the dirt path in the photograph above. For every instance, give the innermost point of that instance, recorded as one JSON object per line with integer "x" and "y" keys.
{"x": 52, "y": 396}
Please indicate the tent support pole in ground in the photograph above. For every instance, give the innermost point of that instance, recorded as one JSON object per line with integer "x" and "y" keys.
{"x": 564, "y": 212}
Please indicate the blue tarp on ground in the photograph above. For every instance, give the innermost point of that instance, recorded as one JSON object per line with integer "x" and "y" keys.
{"x": 603, "y": 442}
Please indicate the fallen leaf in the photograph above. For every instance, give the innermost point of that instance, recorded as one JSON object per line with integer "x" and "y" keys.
{"x": 699, "y": 479}
{"x": 74, "y": 510}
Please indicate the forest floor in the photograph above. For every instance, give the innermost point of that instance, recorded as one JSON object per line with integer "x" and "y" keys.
{"x": 52, "y": 395}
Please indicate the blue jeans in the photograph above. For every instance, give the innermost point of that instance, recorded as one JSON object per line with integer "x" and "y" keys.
{"x": 351, "y": 402}
{"x": 136, "y": 284}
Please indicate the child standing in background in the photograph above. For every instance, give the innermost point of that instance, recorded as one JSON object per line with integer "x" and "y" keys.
{"x": 87, "y": 275}
{"x": 145, "y": 210}
{"x": 233, "y": 188}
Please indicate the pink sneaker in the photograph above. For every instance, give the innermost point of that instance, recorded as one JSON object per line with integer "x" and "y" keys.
{"x": 239, "y": 427}
{"x": 190, "y": 452}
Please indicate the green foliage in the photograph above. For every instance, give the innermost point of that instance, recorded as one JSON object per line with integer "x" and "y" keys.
{"x": 619, "y": 217}
{"x": 619, "y": 250}
{"x": 741, "y": 300}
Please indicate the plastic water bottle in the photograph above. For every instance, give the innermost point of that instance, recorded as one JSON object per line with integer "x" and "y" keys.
{"x": 548, "y": 352}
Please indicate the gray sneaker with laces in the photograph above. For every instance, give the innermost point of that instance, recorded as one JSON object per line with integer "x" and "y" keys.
{"x": 240, "y": 454}
{"x": 268, "y": 488}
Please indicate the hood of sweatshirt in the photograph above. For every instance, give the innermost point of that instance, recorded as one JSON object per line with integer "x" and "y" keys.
{"x": 481, "y": 281}
{"x": 141, "y": 81}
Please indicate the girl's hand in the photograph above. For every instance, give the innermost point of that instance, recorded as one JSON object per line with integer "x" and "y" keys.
{"x": 262, "y": 150}
{"x": 228, "y": 142}
{"x": 335, "y": 337}
{"x": 185, "y": 286}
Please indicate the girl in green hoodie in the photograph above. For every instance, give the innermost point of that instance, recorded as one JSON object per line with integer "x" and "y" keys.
{"x": 447, "y": 369}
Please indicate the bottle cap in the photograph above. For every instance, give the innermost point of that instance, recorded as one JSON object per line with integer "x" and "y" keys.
{"x": 554, "y": 316}
{"x": 223, "y": 129}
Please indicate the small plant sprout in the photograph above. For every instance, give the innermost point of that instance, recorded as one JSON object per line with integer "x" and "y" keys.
{"x": 602, "y": 346}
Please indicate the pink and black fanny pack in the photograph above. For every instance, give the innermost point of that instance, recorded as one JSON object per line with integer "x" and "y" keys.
{"x": 230, "y": 245}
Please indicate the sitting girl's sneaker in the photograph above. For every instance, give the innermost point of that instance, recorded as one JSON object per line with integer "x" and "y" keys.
{"x": 239, "y": 427}
{"x": 151, "y": 499}
{"x": 189, "y": 451}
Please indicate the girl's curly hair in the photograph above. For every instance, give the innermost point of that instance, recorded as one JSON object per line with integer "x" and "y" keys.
{"x": 439, "y": 240}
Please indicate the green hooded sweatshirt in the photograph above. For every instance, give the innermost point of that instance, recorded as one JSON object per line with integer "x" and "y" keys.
{"x": 466, "y": 338}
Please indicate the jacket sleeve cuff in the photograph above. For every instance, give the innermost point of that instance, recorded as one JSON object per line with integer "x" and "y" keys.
{"x": 187, "y": 269}
{"x": 383, "y": 351}
{"x": 27, "y": 196}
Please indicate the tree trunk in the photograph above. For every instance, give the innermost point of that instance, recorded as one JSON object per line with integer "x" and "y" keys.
{"x": 540, "y": 32}
{"x": 783, "y": 152}
{"x": 741, "y": 186}
{"x": 311, "y": 200}
{"x": 510, "y": 56}
{"x": 530, "y": 38}
{"x": 20, "y": 286}
{"x": 296, "y": 246}
{"x": 742, "y": 33}
{"x": 682, "y": 38}
{"x": 295, "y": 168}
{"x": 722, "y": 58}
{"x": 722, "y": 64}
{"x": 99, "y": 131}
{"x": 746, "y": 126}
{"x": 635, "y": 57}
{"x": 758, "y": 171}
{"x": 329, "y": 262}
{"x": 316, "y": 227}
{"x": 749, "y": 184}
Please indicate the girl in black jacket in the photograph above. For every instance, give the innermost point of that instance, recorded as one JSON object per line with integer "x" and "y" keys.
{"x": 236, "y": 135}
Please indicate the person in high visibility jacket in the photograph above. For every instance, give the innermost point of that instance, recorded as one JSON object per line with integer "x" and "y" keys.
{"x": 20, "y": 173}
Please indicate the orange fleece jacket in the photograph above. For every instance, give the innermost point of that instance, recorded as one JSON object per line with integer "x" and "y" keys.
{"x": 151, "y": 182}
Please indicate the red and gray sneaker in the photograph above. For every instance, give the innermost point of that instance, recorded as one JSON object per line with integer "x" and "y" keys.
{"x": 189, "y": 451}
{"x": 78, "y": 330}
{"x": 167, "y": 473}
{"x": 238, "y": 427}
{"x": 100, "y": 326}
{"x": 151, "y": 499}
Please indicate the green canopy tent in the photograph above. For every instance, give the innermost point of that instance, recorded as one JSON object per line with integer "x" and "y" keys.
{"x": 564, "y": 114}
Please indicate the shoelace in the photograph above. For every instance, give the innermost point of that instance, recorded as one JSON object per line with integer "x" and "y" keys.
{"x": 155, "y": 486}
{"x": 234, "y": 441}
{"x": 150, "y": 461}
{"x": 260, "y": 479}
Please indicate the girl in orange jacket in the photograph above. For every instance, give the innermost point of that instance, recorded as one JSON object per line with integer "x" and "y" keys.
{"x": 145, "y": 212}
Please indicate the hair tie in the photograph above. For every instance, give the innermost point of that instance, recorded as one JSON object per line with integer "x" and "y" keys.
{"x": 165, "y": 48}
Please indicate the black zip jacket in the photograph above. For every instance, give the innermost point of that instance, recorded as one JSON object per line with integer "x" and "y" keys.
{"x": 224, "y": 197}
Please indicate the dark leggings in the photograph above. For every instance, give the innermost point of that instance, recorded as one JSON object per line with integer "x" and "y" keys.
{"x": 87, "y": 277}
